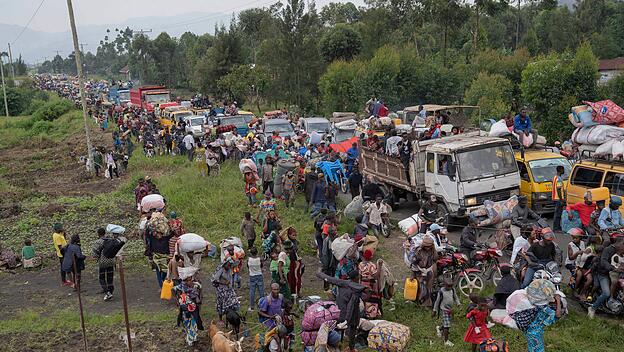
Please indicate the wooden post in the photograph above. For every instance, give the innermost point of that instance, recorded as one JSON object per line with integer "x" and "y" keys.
{"x": 77, "y": 286}
{"x": 124, "y": 300}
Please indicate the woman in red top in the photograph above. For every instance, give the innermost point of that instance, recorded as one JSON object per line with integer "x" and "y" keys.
{"x": 477, "y": 329}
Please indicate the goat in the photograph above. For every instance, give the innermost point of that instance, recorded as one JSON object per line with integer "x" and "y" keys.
{"x": 234, "y": 319}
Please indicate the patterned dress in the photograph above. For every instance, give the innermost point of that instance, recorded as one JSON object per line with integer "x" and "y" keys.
{"x": 189, "y": 301}
{"x": 544, "y": 317}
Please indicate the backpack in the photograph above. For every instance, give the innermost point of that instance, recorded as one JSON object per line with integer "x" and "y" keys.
{"x": 111, "y": 247}
{"x": 492, "y": 345}
{"x": 158, "y": 224}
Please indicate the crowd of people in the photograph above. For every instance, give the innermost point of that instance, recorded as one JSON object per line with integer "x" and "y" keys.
{"x": 360, "y": 283}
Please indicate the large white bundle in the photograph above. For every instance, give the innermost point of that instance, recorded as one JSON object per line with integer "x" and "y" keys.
{"x": 605, "y": 148}
{"x": 409, "y": 224}
{"x": 498, "y": 129}
{"x": 618, "y": 149}
{"x": 353, "y": 209}
{"x": 597, "y": 134}
{"x": 191, "y": 242}
{"x": 238, "y": 245}
{"x": 246, "y": 165}
{"x": 587, "y": 148}
{"x": 315, "y": 138}
{"x": 152, "y": 201}
{"x": 341, "y": 246}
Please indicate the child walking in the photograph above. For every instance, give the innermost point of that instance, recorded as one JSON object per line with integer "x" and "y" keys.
{"x": 444, "y": 304}
{"x": 256, "y": 282}
{"x": 248, "y": 229}
{"x": 478, "y": 327}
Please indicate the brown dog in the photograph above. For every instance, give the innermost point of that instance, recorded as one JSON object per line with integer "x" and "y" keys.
{"x": 221, "y": 341}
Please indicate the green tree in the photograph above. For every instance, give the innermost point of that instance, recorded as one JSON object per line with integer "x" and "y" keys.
{"x": 340, "y": 87}
{"x": 554, "y": 83}
{"x": 225, "y": 53}
{"x": 491, "y": 92}
{"x": 245, "y": 83}
{"x": 340, "y": 43}
{"x": 615, "y": 89}
{"x": 335, "y": 12}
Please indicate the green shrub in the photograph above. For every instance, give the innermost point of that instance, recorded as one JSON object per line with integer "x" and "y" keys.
{"x": 34, "y": 105}
{"x": 52, "y": 110}
{"x": 41, "y": 127}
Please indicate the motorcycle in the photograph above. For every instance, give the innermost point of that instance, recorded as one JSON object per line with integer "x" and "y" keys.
{"x": 486, "y": 260}
{"x": 551, "y": 272}
{"x": 456, "y": 265}
{"x": 614, "y": 235}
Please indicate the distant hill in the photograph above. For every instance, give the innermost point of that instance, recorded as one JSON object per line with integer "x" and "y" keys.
{"x": 34, "y": 46}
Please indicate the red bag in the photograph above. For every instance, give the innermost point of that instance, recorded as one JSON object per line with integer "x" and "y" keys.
{"x": 606, "y": 112}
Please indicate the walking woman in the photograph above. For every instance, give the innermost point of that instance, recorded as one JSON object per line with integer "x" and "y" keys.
{"x": 189, "y": 296}
{"x": 223, "y": 283}
{"x": 111, "y": 165}
{"x": 73, "y": 261}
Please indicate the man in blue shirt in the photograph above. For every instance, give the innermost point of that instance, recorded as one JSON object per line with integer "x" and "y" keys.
{"x": 522, "y": 125}
{"x": 610, "y": 217}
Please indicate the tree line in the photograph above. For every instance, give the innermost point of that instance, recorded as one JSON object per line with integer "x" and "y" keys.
{"x": 499, "y": 54}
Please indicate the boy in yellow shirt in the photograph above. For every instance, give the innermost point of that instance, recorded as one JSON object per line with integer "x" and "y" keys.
{"x": 58, "y": 238}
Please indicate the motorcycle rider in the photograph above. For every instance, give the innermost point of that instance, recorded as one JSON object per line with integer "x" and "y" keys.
{"x": 610, "y": 218}
{"x": 520, "y": 216}
{"x": 584, "y": 209}
{"x": 603, "y": 272}
{"x": 430, "y": 213}
{"x": 541, "y": 252}
{"x": 468, "y": 240}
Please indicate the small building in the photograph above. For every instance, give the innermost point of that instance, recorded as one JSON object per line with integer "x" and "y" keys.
{"x": 609, "y": 68}
{"x": 126, "y": 72}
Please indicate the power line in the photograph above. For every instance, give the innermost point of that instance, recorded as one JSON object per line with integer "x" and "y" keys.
{"x": 28, "y": 23}
{"x": 214, "y": 16}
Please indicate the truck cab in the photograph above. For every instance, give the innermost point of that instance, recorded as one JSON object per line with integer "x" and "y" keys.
{"x": 537, "y": 169}
{"x": 195, "y": 125}
{"x": 468, "y": 171}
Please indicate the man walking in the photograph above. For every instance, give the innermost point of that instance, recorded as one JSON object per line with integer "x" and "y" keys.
{"x": 189, "y": 145}
{"x": 557, "y": 197}
{"x": 106, "y": 265}
{"x": 267, "y": 175}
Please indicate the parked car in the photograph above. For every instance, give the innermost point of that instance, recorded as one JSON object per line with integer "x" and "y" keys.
{"x": 319, "y": 125}
{"x": 195, "y": 124}
{"x": 282, "y": 126}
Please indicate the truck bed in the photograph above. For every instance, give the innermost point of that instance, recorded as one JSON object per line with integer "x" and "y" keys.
{"x": 388, "y": 170}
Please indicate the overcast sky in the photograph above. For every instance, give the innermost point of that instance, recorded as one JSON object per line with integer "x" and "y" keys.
{"x": 52, "y": 17}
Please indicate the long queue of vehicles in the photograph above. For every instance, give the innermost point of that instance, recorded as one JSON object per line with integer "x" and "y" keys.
{"x": 466, "y": 169}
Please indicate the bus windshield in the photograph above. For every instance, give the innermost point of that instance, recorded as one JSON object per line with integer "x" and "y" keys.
{"x": 544, "y": 170}
{"x": 486, "y": 162}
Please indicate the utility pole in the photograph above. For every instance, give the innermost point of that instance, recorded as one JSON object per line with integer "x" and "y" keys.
{"x": 83, "y": 95}
{"x": 141, "y": 31}
{"x": 82, "y": 45}
{"x": 518, "y": 25}
{"x": 11, "y": 62}
{"x": 6, "y": 105}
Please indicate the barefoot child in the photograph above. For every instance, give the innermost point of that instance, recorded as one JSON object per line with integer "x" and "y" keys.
{"x": 444, "y": 303}
{"x": 477, "y": 329}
